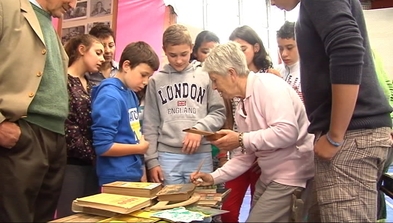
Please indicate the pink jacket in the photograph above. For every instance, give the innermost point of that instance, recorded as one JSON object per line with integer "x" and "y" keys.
{"x": 275, "y": 131}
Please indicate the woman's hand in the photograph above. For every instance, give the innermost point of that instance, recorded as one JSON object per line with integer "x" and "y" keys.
{"x": 201, "y": 179}
{"x": 228, "y": 142}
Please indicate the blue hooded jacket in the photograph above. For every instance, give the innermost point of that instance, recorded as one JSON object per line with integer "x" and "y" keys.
{"x": 115, "y": 120}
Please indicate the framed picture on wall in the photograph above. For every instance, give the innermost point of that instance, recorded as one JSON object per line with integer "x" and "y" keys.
{"x": 79, "y": 12}
{"x": 68, "y": 33}
{"x": 100, "y": 7}
{"x": 86, "y": 14}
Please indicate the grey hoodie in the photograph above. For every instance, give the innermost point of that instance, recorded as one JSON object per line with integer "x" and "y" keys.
{"x": 176, "y": 101}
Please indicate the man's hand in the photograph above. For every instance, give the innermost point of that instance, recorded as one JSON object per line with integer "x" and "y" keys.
{"x": 156, "y": 175}
{"x": 324, "y": 150}
{"x": 201, "y": 179}
{"x": 9, "y": 134}
{"x": 191, "y": 143}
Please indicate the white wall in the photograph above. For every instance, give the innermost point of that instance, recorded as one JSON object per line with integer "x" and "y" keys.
{"x": 223, "y": 16}
{"x": 380, "y": 31}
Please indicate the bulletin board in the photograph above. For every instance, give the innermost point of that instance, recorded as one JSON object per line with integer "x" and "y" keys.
{"x": 85, "y": 15}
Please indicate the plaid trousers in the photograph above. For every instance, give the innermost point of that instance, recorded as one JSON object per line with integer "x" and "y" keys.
{"x": 345, "y": 188}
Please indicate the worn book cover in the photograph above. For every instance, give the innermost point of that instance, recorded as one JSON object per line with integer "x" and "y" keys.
{"x": 211, "y": 136}
{"x": 213, "y": 199}
{"x": 210, "y": 197}
{"x": 206, "y": 189}
{"x": 176, "y": 192}
{"x": 91, "y": 211}
{"x": 133, "y": 185}
{"x": 142, "y": 214}
{"x": 128, "y": 218}
{"x": 139, "y": 189}
{"x": 79, "y": 218}
{"x": 207, "y": 211}
{"x": 122, "y": 204}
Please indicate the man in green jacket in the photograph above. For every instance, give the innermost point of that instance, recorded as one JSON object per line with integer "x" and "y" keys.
{"x": 33, "y": 109}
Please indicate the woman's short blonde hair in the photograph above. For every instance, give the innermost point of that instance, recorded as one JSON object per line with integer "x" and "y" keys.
{"x": 224, "y": 57}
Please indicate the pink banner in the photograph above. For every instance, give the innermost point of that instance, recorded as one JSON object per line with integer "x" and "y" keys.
{"x": 55, "y": 22}
{"x": 140, "y": 20}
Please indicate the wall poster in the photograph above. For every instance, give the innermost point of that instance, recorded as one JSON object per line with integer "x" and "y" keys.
{"x": 86, "y": 14}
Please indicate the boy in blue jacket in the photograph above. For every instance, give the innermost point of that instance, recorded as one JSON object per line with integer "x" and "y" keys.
{"x": 117, "y": 136}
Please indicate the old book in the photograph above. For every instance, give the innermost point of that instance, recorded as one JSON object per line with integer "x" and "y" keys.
{"x": 209, "y": 200}
{"x": 122, "y": 204}
{"x": 176, "y": 192}
{"x": 91, "y": 211}
{"x": 211, "y": 136}
{"x": 208, "y": 211}
{"x": 128, "y": 218}
{"x": 206, "y": 189}
{"x": 79, "y": 218}
{"x": 213, "y": 199}
{"x": 144, "y": 214}
{"x": 138, "y": 189}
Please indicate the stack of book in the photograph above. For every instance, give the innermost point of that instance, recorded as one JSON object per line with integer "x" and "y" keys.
{"x": 213, "y": 198}
{"x": 129, "y": 202}
{"x": 79, "y": 218}
{"x": 116, "y": 203}
{"x": 206, "y": 189}
{"x": 138, "y": 189}
{"x": 118, "y": 197}
{"x": 176, "y": 192}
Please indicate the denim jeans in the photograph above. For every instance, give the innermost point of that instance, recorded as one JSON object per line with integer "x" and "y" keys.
{"x": 177, "y": 168}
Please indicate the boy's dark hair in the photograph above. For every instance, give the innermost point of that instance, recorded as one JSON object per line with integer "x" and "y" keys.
{"x": 204, "y": 36}
{"x": 287, "y": 31}
{"x": 71, "y": 46}
{"x": 102, "y": 31}
{"x": 176, "y": 35}
{"x": 138, "y": 53}
{"x": 261, "y": 58}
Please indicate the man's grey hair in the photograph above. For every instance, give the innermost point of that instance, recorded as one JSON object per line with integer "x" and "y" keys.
{"x": 224, "y": 57}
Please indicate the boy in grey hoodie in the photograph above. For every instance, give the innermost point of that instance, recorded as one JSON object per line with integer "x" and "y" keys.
{"x": 179, "y": 97}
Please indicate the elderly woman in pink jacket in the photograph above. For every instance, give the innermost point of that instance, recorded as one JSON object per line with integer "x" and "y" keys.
{"x": 272, "y": 126}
